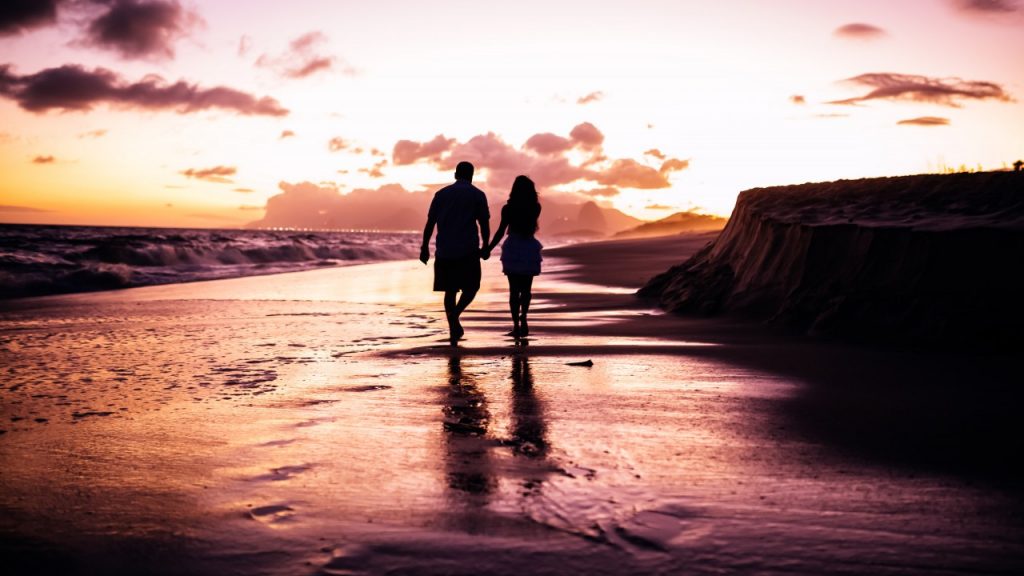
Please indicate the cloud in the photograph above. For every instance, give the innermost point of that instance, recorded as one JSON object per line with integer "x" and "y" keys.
{"x": 408, "y": 152}
{"x": 655, "y": 153}
{"x": 243, "y": 190}
{"x": 629, "y": 173}
{"x": 44, "y": 160}
{"x": 93, "y": 134}
{"x": 590, "y": 98}
{"x": 504, "y": 162}
{"x": 12, "y": 208}
{"x": 989, "y": 6}
{"x": 217, "y": 174}
{"x": 859, "y": 31}
{"x": 587, "y": 136}
{"x": 673, "y": 165}
{"x": 250, "y": 208}
{"x": 306, "y": 204}
{"x": 548, "y": 143}
{"x": 606, "y": 192}
{"x": 337, "y": 144}
{"x": 392, "y": 207}
{"x": 657, "y": 207}
{"x": 375, "y": 171}
{"x": 942, "y": 91}
{"x": 72, "y": 87}
{"x": 141, "y": 29}
{"x": 925, "y": 121}
{"x": 17, "y": 16}
{"x": 545, "y": 157}
{"x": 304, "y": 58}
{"x": 798, "y": 99}
{"x": 286, "y": 134}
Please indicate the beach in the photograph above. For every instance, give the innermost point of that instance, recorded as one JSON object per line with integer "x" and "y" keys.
{"x": 318, "y": 422}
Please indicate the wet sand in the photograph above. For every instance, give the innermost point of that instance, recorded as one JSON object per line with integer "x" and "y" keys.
{"x": 317, "y": 423}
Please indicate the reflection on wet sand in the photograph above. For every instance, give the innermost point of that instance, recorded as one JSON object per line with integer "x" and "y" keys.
{"x": 475, "y": 461}
{"x": 466, "y": 419}
{"x": 528, "y": 427}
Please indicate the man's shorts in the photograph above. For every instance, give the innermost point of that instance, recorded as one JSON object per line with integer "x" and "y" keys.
{"x": 453, "y": 274}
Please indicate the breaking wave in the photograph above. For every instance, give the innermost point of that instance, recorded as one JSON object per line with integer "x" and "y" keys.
{"x": 40, "y": 260}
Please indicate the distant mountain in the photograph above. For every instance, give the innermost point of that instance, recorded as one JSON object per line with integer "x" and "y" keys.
{"x": 580, "y": 219}
{"x": 392, "y": 207}
{"x": 675, "y": 224}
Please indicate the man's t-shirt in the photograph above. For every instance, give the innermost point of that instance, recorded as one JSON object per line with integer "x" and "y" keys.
{"x": 456, "y": 209}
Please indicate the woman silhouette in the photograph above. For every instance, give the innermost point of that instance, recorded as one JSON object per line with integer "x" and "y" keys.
{"x": 520, "y": 253}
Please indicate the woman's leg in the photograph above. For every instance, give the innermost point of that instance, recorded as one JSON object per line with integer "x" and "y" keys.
{"x": 525, "y": 295}
{"x": 513, "y": 303}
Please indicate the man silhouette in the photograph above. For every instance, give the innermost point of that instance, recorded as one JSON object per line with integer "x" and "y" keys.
{"x": 456, "y": 210}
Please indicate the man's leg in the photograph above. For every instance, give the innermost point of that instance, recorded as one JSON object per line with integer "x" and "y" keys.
{"x": 454, "y": 310}
{"x": 464, "y": 301}
{"x": 449, "y": 310}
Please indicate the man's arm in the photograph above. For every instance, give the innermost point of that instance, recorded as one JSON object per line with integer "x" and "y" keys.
{"x": 428, "y": 231}
{"x": 485, "y": 233}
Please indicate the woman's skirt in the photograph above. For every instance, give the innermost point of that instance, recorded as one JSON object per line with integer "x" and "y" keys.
{"x": 521, "y": 255}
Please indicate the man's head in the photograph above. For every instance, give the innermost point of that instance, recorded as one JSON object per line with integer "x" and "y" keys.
{"x": 464, "y": 171}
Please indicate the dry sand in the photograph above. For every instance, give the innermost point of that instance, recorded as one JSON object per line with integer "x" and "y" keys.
{"x": 317, "y": 423}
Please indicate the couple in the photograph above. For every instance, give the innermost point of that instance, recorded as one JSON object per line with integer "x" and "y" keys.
{"x": 456, "y": 211}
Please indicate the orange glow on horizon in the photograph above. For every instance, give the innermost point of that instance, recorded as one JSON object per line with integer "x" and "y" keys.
{"x": 744, "y": 103}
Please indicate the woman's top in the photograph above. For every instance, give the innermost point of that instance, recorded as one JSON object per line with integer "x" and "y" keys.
{"x": 521, "y": 220}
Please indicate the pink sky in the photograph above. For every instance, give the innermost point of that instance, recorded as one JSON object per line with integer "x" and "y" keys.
{"x": 160, "y": 112}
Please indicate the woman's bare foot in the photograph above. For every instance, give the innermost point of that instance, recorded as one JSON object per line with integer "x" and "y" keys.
{"x": 456, "y": 332}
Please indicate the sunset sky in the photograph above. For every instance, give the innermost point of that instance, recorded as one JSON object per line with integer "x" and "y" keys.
{"x": 168, "y": 113}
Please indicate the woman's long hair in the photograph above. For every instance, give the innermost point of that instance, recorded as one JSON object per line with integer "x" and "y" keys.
{"x": 523, "y": 207}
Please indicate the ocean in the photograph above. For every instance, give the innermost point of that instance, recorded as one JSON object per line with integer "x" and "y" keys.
{"x": 37, "y": 260}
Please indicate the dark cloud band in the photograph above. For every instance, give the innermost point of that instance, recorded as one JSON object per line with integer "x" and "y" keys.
{"x": 989, "y": 6}
{"x": 944, "y": 91}
{"x": 17, "y": 16}
{"x": 220, "y": 174}
{"x": 859, "y": 30}
{"x": 72, "y": 87}
{"x": 924, "y": 121}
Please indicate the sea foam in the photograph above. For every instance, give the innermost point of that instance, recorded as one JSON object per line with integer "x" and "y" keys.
{"x": 40, "y": 260}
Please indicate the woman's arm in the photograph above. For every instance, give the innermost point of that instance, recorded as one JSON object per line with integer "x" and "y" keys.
{"x": 499, "y": 234}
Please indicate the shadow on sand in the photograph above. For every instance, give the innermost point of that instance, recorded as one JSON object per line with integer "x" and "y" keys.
{"x": 951, "y": 413}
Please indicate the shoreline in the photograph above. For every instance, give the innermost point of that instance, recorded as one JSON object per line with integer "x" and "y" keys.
{"x": 317, "y": 422}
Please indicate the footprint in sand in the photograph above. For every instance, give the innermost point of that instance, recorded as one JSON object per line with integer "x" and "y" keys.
{"x": 366, "y": 388}
{"x": 283, "y": 473}
{"x": 277, "y": 443}
{"x": 79, "y": 415}
{"x": 272, "y": 513}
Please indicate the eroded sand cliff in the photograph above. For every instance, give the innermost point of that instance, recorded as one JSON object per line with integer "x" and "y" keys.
{"x": 930, "y": 258}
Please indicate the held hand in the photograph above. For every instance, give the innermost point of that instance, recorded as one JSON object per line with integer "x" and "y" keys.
{"x": 424, "y": 254}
